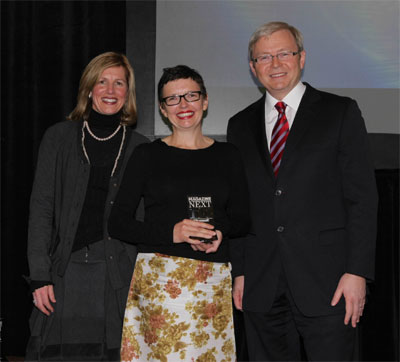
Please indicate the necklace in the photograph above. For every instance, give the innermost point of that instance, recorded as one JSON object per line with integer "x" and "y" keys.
{"x": 85, "y": 124}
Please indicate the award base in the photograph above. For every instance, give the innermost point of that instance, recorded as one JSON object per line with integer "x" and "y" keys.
{"x": 205, "y": 241}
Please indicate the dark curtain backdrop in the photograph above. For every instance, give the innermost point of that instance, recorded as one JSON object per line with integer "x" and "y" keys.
{"x": 141, "y": 50}
{"x": 44, "y": 47}
{"x": 379, "y": 329}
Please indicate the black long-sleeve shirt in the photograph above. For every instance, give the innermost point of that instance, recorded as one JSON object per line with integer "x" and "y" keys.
{"x": 165, "y": 176}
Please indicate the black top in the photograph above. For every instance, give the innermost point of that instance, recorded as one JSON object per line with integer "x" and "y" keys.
{"x": 102, "y": 155}
{"x": 165, "y": 176}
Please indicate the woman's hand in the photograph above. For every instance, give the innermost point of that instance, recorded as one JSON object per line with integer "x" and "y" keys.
{"x": 209, "y": 247}
{"x": 42, "y": 299}
{"x": 184, "y": 230}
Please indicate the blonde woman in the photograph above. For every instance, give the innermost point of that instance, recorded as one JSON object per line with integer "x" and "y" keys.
{"x": 79, "y": 275}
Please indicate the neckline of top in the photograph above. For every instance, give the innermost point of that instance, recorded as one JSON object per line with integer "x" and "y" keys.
{"x": 160, "y": 141}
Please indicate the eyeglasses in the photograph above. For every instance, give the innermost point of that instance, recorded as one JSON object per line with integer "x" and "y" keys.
{"x": 176, "y": 99}
{"x": 267, "y": 58}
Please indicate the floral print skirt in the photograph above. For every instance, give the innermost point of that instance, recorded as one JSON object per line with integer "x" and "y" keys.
{"x": 178, "y": 309}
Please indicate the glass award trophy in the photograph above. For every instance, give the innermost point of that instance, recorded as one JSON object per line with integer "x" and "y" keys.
{"x": 200, "y": 209}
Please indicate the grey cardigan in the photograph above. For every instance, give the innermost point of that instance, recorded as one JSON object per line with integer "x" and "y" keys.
{"x": 56, "y": 203}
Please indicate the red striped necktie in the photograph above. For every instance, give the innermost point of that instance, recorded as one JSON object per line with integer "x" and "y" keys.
{"x": 279, "y": 136}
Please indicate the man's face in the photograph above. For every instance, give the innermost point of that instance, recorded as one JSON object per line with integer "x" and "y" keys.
{"x": 278, "y": 77}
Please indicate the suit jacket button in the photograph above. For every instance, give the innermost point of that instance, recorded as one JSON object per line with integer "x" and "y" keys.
{"x": 280, "y": 229}
{"x": 278, "y": 192}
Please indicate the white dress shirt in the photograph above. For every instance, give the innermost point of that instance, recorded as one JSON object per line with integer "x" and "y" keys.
{"x": 292, "y": 101}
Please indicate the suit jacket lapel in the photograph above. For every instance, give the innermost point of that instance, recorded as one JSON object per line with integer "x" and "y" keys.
{"x": 305, "y": 116}
{"x": 258, "y": 128}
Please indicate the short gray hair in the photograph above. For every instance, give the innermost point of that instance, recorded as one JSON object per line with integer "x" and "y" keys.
{"x": 272, "y": 27}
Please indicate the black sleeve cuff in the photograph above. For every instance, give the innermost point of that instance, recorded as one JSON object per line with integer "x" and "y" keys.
{"x": 36, "y": 284}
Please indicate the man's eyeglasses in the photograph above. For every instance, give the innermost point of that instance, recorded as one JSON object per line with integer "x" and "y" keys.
{"x": 176, "y": 99}
{"x": 267, "y": 58}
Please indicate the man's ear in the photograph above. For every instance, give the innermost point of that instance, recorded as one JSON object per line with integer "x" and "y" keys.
{"x": 253, "y": 69}
{"x": 302, "y": 59}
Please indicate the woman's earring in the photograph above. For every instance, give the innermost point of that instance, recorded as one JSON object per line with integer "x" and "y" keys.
{"x": 90, "y": 95}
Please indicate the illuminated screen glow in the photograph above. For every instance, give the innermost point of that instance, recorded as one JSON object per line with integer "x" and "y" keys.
{"x": 352, "y": 48}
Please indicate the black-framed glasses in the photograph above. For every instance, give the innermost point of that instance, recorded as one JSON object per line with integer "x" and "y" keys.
{"x": 267, "y": 58}
{"x": 176, "y": 99}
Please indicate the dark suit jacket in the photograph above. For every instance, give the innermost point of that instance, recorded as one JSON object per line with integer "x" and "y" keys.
{"x": 318, "y": 217}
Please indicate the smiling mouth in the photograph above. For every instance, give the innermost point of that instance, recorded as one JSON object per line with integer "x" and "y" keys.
{"x": 109, "y": 100}
{"x": 278, "y": 75}
{"x": 185, "y": 114}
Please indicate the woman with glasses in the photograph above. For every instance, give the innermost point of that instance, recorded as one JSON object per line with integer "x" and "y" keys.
{"x": 179, "y": 305}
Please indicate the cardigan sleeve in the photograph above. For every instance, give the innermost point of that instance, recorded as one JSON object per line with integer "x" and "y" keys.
{"x": 41, "y": 214}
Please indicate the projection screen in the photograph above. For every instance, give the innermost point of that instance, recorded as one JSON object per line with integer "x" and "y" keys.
{"x": 352, "y": 48}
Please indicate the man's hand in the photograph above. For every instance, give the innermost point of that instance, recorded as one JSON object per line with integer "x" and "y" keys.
{"x": 353, "y": 288}
{"x": 237, "y": 292}
{"x": 42, "y": 299}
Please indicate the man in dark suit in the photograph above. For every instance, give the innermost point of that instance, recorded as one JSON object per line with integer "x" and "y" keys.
{"x": 302, "y": 270}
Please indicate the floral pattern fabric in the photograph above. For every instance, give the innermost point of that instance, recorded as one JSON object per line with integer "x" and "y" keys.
{"x": 178, "y": 309}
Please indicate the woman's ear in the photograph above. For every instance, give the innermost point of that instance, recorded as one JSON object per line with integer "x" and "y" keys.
{"x": 205, "y": 102}
{"x": 162, "y": 110}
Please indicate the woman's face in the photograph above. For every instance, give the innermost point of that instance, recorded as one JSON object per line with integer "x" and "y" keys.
{"x": 185, "y": 115}
{"x": 109, "y": 93}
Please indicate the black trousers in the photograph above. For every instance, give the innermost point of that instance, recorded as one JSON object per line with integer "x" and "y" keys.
{"x": 276, "y": 335}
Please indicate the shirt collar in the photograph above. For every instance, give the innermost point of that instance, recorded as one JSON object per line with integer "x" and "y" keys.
{"x": 292, "y": 99}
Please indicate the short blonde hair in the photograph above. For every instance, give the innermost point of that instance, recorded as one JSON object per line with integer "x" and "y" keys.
{"x": 272, "y": 27}
{"x": 89, "y": 78}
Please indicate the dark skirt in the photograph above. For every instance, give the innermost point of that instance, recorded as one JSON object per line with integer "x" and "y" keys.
{"x": 87, "y": 322}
